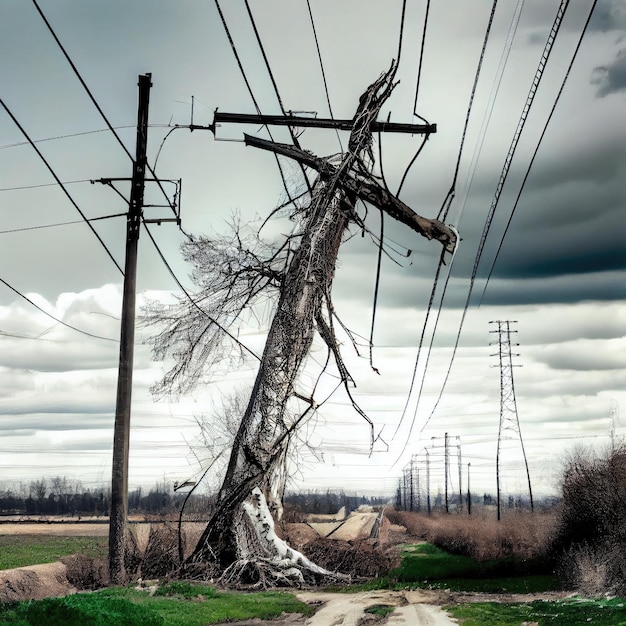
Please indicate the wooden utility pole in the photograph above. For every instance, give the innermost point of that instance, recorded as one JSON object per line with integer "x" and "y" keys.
{"x": 118, "y": 520}
{"x": 469, "y": 492}
{"x": 428, "y": 481}
{"x": 446, "y": 470}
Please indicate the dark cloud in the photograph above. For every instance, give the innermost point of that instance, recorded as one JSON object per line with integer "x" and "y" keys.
{"x": 606, "y": 287}
{"x": 610, "y": 78}
{"x": 609, "y": 15}
{"x": 577, "y": 357}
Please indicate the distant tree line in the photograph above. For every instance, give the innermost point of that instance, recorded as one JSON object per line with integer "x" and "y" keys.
{"x": 63, "y": 496}
{"x": 68, "y": 497}
{"x": 53, "y": 496}
{"x": 329, "y": 502}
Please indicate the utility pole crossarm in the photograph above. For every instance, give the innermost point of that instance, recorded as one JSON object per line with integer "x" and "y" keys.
{"x": 367, "y": 190}
{"x": 318, "y": 122}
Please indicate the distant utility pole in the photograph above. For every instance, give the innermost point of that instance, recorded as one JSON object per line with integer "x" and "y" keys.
{"x": 428, "y": 481}
{"x": 458, "y": 454}
{"x": 509, "y": 418}
{"x": 446, "y": 468}
{"x": 469, "y": 492}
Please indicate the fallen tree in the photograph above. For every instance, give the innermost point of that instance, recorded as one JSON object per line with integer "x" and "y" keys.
{"x": 239, "y": 542}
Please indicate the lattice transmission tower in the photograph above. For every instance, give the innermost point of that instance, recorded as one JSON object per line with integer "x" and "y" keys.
{"x": 509, "y": 419}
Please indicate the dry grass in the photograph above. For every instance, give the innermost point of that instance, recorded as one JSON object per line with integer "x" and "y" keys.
{"x": 481, "y": 536}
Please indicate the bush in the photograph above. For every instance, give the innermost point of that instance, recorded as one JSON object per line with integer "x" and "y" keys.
{"x": 481, "y": 536}
{"x": 591, "y": 539}
{"x": 161, "y": 555}
{"x": 357, "y": 558}
{"x": 86, "y": 573}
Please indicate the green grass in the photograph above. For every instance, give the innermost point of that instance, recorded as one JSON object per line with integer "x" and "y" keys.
{"x": 425, "y": 565}
{"x": 175, "y": 604}
{"x": 570, "y": 612}
{"x": 381, "y": 610}
{"x": 428, "y": 565}
{"x": 23, "y": 550}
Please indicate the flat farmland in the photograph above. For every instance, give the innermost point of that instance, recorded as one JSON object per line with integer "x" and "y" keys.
{"x": 60, "y": 529}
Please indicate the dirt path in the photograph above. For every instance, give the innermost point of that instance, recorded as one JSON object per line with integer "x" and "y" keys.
{"x": 348, "y": 609}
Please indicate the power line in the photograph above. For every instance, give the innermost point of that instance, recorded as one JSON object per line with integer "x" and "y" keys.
{"x": 26, "y": 228}
{"x": 80, "y": 78}
{"x": 67, "y": 182}
{"x": 294, "y": 137}
{"x": 248, "y": 86}
{"x": 95, "y": 102}
{"x": 419, "y": 67}
{"x": 319, "y": 56}
{"x": 443, "y": 213}
{"x": 532, "y": 160}
{"x": 58, "y": 180}
{"x": 79, "y": 134}
{"x": 495, "y": 90}
{"x": 192, "y": 301}
{"x": 505, "y": 170}
{"x": 450, "y": 195}
{"x": 56, "y": 319}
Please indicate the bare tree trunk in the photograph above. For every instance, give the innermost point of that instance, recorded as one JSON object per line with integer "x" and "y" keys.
{"x": 260, "y": 446}
{"x": 239, "y": 541}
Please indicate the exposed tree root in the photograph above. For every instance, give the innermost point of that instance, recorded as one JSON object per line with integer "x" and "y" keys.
{"x": 264, "y": 559}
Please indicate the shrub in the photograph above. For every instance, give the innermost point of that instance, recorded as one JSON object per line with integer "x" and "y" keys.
{"x": 161, "y": 554}
{"x": 86, "y": 573}
{"x": 591, "y": 536}
{"x": 481, "y": 536}
{"x": 357, "y": 558}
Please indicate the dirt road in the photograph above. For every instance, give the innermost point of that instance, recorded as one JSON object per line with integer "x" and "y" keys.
{"x": 347, "y": 609}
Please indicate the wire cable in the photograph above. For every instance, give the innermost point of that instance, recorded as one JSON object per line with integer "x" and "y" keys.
{"x": 319, "y": 56}
{"x": 92, "y": 219}
{"x": 443, "y": 213}
{"x": 447, "y": 201}
{"x": 505, "y": 170}
{"x": 58, "y": 180}
{"x": 249, "y": 87}
{"x": 56, "y": 319}
{"x": 495, "y": 90}
{"x": 192, "y": 301}
{"x": 80, "y": 78}
{"x": 68, "y": 135}
{"x": 294, "y": 137}
{"x": 419, "y": 66}
{"x": 95, "y": 102}
{"x": 66, "y": 182}
{"x": 504, "y": 58}
{"x": 532, "y": 160}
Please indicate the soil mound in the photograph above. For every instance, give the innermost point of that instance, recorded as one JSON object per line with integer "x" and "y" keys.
{"x": 35, "y": 582}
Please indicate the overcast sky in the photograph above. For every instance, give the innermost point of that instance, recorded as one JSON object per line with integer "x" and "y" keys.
{"x": 561, "y": 271}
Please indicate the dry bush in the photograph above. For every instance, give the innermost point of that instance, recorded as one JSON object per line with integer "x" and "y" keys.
{"x": 593, "y": 571}
{"x": 361, "y": 559}
{"x": 481, "y": 536}
{"x": 292, "y": 514}
{"x": 592, "y": 533}
{"x": 191, "y": 531}
{"x": 161, "y": 554}
{"x": 85, "y": 572}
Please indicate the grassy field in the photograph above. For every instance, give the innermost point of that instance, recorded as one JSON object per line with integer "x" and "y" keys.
{"x": 184, "y": 604}
{"x": 175, "y": 604}
{"x": 22, "y": 550}
{"x": 425, "y": 565}
{"x": 570, "y": 612}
